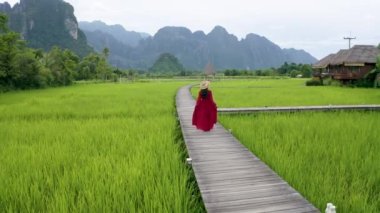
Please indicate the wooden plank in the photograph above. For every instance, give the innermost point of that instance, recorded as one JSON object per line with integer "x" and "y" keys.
{"x": 244, "y": 188}
{"x": 240, "y": 183}
{"x": 223, "y": 162}
{"x": 229, "y": 176}
{"x": 220, "y": 169}
{"x": 265, "y": 204}
{"x": 209, "y": 180}
{"x": 217, "y": 157}
{"x": 248, "y": 195}
{"x": 271, "y": 207}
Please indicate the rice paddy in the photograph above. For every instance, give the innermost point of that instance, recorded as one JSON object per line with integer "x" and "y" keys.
{"x": 94, "y": 148}
{"x": 286, "y": 92}
{"x": 326, "y": 156}
{"x": 117, "y": 147}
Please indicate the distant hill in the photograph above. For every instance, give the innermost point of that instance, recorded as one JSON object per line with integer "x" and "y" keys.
{"x": 47, "y": 23}
{"x": 118, "y": 50}
{"x": 193, "y": 50}
{"x": 131, "y": 38}
{"x": 167, "y": 63}
{"x": 297, "y": 56}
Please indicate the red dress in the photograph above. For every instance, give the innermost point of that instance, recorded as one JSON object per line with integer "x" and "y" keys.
{"x": 205, "y": 113}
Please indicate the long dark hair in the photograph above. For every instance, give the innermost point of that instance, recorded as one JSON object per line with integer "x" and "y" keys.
{"x": 204, "y": 93}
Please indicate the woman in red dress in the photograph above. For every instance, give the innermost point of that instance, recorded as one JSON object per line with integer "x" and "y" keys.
{"x": 205, "y": 113}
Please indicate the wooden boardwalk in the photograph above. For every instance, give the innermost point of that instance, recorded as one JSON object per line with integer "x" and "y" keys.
{"x": 299, "y": 108}
{"x": 229, "y": 176}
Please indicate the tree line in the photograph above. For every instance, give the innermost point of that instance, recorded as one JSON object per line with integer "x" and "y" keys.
{"x": 22, "y": 67}
{"x": 292, "y": 70}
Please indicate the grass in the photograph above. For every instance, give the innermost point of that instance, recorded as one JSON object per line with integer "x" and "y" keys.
{"x": 94, "y": 148}
{"x": 117, "y": 147}
{"x": 328, "y": 157}
{"x": 286, "y": 92}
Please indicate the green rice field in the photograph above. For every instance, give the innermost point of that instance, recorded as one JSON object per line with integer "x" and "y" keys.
{"x": 286, "y": 92}
{"x": 326, "y": 156}
{"x": 94, "y": 148}
{"x": 118, "y": 148}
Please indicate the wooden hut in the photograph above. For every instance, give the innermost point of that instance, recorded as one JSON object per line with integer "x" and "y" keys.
{"x": 346, "y": 65}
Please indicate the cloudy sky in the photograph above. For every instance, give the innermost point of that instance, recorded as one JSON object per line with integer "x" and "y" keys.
{"x": 317, "y": 26}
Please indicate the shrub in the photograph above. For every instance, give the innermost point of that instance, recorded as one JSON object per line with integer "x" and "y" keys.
{"x": 332, "y": 82}
{"x": 313, "y": 82}
{"x": 367, "y": 83}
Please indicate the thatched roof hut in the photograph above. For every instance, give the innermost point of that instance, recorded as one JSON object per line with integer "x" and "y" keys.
{"x": 359, "y": 55}
{"x": 362, "y": 54}
{"x": 351, "y": 64}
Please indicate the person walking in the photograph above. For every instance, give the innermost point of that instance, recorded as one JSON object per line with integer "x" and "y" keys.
{"x": 205, "y": 111}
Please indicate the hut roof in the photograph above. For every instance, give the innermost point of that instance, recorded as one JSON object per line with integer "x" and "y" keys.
{"x": 362, "y": 54}
{"x": 356, "y": 56}
{"x": 340, "y": 57}
{"x": 324, "y": 62}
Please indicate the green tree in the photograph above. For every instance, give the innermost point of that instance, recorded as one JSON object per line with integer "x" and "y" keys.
{"x": 10, "y": 46}
{"x": 27, "y": 72}
{"x": 3, "y": 23}
{"x": 284, "y": 69}
{"x": 106, "y": 52}
{"x": 63, "y": 65}
{"x": 377, "y": 79}
{"x": 294, "y": 73}
{"x": 87, "y": 67}
{"x": 103, "y": 70}
{"x": 94, "y": 66}
{"x": 38, "y": 54}
{"x": 306, "y": 70}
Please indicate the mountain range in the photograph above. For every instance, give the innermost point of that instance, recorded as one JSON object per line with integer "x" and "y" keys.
{"x": 130, "y": 38}
{"x": 47, "y": 23}
{"x": 193, "y": 49}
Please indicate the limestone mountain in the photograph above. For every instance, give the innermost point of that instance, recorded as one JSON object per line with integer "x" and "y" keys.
{"x": 223, "y": 49}
{"x": 259, "y": 52}
{"x": 118, "y": 50}
{"x": 195, "y": 50}
{"x": 297, "y": 56}
{"x": 47, "y": 23}
{"x": 130, "y": 38}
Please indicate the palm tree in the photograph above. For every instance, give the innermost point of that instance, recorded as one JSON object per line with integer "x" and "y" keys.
{"x": 106, "y": 52}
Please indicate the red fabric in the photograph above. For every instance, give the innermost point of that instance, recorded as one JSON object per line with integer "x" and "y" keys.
{"x": 205, "y": 113}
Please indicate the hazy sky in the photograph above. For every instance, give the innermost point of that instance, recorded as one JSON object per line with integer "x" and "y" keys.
{"x": 317, "y": 26}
